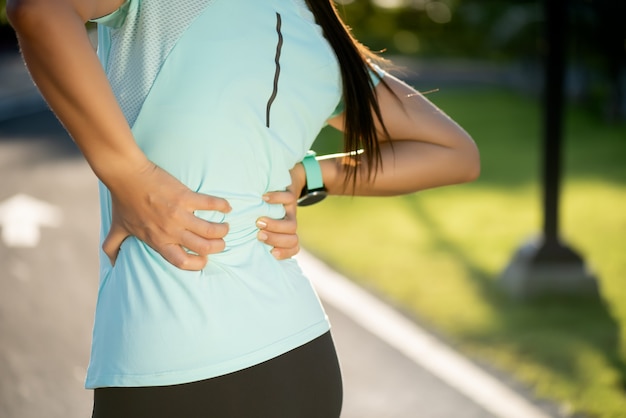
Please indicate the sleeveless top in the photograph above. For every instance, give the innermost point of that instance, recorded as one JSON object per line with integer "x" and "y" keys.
{"x": 227, "y": 96}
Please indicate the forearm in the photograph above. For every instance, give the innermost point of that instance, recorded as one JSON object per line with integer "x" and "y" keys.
{"x": 407, "y": 167}
{"x": 63, "y": 64}
{"x": 420, "y": 148}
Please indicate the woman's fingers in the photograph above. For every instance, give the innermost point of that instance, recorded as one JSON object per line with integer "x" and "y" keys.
{"x": 289, "y": 200}
{"x": 286, "y": 245}
{"x": 177, "y": 256}
{"x": 202, "y": 246}
{"x": 159, "y": 210}
{"x": 283, "y": 197}
{"x": 281, "y": 233}
{"x": 286, "y": 226}
{"x": 173, "y": 253}
{"x": 204, "y": 229}
{"x": 198, "y": 236}
{"x": 199, "y": 201}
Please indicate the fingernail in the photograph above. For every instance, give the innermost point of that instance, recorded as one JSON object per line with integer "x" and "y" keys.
{"x": 262, "y": 236}
{"x": 261, "y": 224}
{"x": 275, "y": 253}
{"x": 266, "y": 198}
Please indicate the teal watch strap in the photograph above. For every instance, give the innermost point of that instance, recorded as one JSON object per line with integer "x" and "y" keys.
{"x": 314, "y": 180}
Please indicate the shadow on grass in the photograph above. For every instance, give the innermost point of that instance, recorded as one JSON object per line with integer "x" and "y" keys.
{"x": 550, "y": 331}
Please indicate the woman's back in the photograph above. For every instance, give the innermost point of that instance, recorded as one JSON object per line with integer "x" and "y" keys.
{"x": 227, "y": 105}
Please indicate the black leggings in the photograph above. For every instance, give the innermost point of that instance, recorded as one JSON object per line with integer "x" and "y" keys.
{"x": 302, "y": 383}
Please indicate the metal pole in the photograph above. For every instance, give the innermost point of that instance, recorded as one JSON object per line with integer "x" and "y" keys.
{"x": 546, "y": 266}
{"x": 556, "y": 20}
{"x": 555, "y": 29}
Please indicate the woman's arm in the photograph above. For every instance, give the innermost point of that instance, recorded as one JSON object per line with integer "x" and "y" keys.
{"x": 147, "y": 202}
{"x": 63, "y": 64}
{"x": 425, "y": 148}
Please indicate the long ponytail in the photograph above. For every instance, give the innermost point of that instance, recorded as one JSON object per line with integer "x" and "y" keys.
{"x": 359, "y": 97}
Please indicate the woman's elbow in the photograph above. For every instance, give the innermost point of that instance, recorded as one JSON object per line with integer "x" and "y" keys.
{"x": 27, "y": 16}
{"x": 464, "y": 163}
{"x": 470, "y": 164}
{"x": 22, "y": 14}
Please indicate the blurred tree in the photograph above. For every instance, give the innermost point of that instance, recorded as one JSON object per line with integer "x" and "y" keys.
{"x": 599, "y": 46}
{"x": 489, "y": 29}
{"x": 3, "y": 12}
{"x": 7, "y": 36}
{"x": 509, "y": 30}
{"x": 471, "y": 28}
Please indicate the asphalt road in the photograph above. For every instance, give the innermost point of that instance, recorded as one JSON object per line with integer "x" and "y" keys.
{"x": 47, "y": 296}
{"x": 47, "y": 293}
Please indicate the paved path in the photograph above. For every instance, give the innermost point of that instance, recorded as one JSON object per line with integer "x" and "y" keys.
{"x": 47, "y": 294}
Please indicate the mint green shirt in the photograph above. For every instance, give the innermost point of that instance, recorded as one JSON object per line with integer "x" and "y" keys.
{"x": 227, "y": 96}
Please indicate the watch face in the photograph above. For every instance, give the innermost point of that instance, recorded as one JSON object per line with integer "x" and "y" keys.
{"x": 312, "y": 197}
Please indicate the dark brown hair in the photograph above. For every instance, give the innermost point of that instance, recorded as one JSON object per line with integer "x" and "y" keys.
{"x": 359, "y": 98}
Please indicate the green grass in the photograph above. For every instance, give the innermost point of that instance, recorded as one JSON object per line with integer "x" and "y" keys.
{"x": 438, "y": 254}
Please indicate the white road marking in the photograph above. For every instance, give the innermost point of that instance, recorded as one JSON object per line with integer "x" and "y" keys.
{"x": 21, "y": 217}
{"x": 416, "y": 344}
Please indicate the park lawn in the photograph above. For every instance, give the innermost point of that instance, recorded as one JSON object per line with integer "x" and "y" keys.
{"x": 437, "y": 254}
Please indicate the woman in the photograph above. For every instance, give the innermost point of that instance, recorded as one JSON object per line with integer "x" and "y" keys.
{"x": 202, "y": 108}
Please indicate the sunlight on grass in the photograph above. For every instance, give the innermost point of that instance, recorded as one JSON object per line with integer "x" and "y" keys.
{"x": 595, "y": 223}
{"x": 437, "y": 254}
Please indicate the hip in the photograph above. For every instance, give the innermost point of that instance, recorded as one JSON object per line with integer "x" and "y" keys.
{"x": 304, "y": 382}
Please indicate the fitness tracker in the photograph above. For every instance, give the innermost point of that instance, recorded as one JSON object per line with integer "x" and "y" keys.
{"x": 314, "y": 190}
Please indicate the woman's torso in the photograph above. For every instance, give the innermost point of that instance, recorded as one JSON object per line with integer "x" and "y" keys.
{"x": 226, "y": 95}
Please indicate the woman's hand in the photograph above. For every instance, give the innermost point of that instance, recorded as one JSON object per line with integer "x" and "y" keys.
{"x": 159, "y": 210}
{"x": 282, "y": 233}
{"x": 146, "y": 201}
